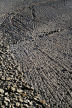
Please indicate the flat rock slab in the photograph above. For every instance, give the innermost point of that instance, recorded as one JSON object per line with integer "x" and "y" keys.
{"x": 40, "y": 37}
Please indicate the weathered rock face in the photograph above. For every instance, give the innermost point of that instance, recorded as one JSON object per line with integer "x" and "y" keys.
{"x": 40, "y": 36}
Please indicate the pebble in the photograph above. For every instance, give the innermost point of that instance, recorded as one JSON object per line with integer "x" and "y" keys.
{"x": 6, "y": 93}
{"x": 42, "y": 101}
{"x": 24, "y": 94}
{"x": 8, "y": 79}
{"x": 19, "y": 91}
{"x": 26, "y": 105}
{"x": 7, "y": 99}
{"x": 3, "y": 106}
{"x": 3, "y": 78}
{"x": 27, "y": 101}
{"x": 13, "y": 89}
{"x": 17, "y": 104}
{"x": 49, "y": 106}
{"x": 1, "y": 91}
{"x": 35, "y": 99}
{"x": 20, "y": 100}
{"x": 19, "y": 69}
{"x": 6, "y": 103}
{"x": 30, "y": 103}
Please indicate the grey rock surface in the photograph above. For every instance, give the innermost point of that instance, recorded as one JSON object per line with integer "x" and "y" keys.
{"x": 39, "y": 34}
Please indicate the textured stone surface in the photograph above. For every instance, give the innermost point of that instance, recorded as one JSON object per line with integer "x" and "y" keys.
{"x": 14, "y": 91}
{"x": 40, "y": 37}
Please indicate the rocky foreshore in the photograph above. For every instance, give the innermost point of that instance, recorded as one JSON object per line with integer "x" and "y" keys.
{"x": 14, "y": 91}
{"x": 36, "y": 54}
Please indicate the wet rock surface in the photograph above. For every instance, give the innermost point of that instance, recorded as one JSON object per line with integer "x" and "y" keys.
{"x": 40, "y": 37}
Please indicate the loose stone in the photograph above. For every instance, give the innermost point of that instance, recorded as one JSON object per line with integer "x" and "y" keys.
{"x": 7, "y": 99}
{"x": 13, "y": 89}
{"x": 6, "y": 93}
{"x": 42, "y": 101}
{"x": 19, "y": 91}
{"x": 1, "y": 91}
{"x": 17, "y": 104}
